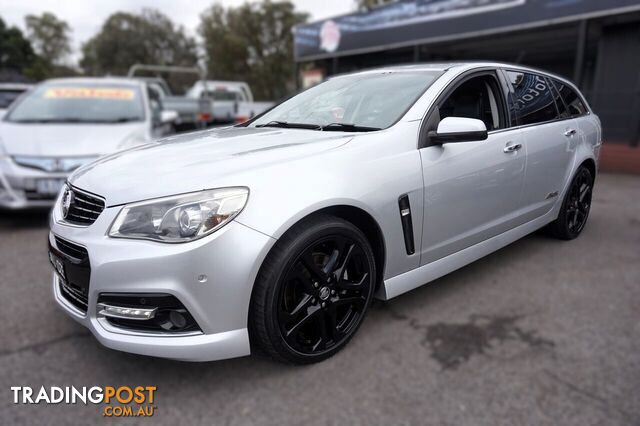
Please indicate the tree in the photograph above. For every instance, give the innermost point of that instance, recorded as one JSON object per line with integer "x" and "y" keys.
{"x": 50, "y": 37}
{"x": 368, "y": 4}
{"x": 16, "y": 53}
{"x": 126, "y": 39}
{"x": 254, "y": 43}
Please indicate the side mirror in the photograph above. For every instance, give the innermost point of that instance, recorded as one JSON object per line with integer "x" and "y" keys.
{"x": 168, "y": 116}
{"x": 458, "y": 129}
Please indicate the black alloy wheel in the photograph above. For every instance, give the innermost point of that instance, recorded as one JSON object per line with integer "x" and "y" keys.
{"x": 575, "y": 207}
{"x": 315, "y": 288}
{"x": 324, "y": 294}
{"x": 579, "y": 202}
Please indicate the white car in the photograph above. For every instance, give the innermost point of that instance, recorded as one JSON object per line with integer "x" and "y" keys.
{"x": 62, "y": 124}
{"x": 278, "y": 233}
{"x": 232, "y": 100}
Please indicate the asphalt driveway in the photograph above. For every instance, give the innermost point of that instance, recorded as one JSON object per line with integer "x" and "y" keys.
{"x": 542, "y": 332}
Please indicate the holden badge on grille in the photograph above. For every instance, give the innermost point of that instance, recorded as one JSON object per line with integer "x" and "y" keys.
{"x": 67, "y": 200}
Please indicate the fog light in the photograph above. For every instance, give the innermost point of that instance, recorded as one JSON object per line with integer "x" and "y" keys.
{"x": 178, "y": 320}
{"x": 146, "y": 312}
{"x": 126, "y": 313}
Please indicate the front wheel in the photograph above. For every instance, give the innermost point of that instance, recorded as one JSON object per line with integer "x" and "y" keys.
{"x": 313, "y": 291}
{"x": 575, "y": 207}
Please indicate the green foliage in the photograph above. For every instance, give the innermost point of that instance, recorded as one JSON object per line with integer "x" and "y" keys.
{"x": 252, "y": 42}
{"x": 126, "y": 39}
{"x": 16, "y": 52}
{"x": 50, "y": 37}
{"x": 368, "y": 4}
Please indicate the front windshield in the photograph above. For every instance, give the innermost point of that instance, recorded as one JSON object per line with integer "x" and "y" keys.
{"x": 72, "y": 102}
{"x": 372, "y": 101}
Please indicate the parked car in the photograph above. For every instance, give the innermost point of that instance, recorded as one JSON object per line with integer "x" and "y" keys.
{"x": 193, "y": 113}
{"x": 64, "y": 123}
{"x": 278, "y": 233}
{"x": 233, "y": 100}
{"x": 9, "y": 92}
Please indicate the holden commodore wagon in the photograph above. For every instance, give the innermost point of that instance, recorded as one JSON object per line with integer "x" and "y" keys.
{"x": 276, "y": 234}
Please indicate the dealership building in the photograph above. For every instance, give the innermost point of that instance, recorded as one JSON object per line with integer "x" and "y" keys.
{"x": 595, "y": 43}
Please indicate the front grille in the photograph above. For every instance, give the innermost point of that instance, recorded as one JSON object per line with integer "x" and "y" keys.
{"x": 77, "y": 269}
{"x": 73, "y": 250}
{"x": 84, "y": 208}
{"x": 75, "y": 296}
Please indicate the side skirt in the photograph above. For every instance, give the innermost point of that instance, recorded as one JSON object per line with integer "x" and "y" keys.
{"x": 415, "y": 278}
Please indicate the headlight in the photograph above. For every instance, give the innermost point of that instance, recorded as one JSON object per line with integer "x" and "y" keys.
{"x": 180, "y": 218}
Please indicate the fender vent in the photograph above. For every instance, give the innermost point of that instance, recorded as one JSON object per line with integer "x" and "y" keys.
{"x": 407, "y": 225}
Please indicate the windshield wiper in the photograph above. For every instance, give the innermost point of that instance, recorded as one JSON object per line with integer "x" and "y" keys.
{"x": 35, "y": 120}
{"x": 120, "y": 120}
{"x": 287, "y": 125}
{"x": 347, "y": 127}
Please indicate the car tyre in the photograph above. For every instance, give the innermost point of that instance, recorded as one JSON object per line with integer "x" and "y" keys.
{"x": 312, "y": 291}
{"x": 575, "y": 207}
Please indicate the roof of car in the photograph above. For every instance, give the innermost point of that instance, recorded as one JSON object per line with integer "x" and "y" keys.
{"x": 455, "y": 66}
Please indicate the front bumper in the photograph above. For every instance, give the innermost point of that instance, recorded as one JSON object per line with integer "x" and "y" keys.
{"x": 18, "y": 186}
{"x": 230, "y": 259}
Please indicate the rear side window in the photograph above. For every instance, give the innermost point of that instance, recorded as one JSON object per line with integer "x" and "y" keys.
{"x": 571, "y": 99}
{"x": 532, "y": 98}
{"x": 562, "y": 108}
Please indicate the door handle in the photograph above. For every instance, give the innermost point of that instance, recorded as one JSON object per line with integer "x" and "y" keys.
{"x": 512, "y": 148}
{"x": 570, "y": 133}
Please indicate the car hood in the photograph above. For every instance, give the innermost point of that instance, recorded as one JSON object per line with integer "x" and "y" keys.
{"x": 197, "y": 161}
{"x": 68, "y": 140}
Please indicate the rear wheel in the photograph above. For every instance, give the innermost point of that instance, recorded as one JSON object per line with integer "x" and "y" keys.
{"x": 575, "y": 207}
{"x": 313, "y": 291}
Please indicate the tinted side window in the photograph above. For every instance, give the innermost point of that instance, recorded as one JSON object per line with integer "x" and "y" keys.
{"x": 571, "y": 99}
{"x": 476, "y": 98}
{"x": 562, "y": 108}
{"x": 532, "y": 98}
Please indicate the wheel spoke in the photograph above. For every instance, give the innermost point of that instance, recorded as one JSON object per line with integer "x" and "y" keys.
{"x": 297, "y": 272}
{"x": 303, "y": 305}
{"x": 331, "y": 263}
{"x": 583, "y": 192}
{"x": 348, "y": 285}
{"x": 312, "y": 267}
{"x": 332, "y": 317}
{"x": 303, "y": 321}
{"x": 321, "y": 343}
{"x": 574, "y": 219}
{"x": 356, "y": 301}
{"x": 349, "y": 248}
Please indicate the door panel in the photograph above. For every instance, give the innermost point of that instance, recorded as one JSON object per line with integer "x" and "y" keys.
{"x": 550, "y": 151}
{"x": 472, "y": 192}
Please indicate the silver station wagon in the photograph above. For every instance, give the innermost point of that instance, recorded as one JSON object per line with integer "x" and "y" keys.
{"x": 277, "y": 234}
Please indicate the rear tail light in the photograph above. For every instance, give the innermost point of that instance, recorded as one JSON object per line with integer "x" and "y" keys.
{"x": 204, "y": 116}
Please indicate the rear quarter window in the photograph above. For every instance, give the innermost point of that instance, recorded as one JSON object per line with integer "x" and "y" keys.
{"x": 572, "y": 100}
{"x": 532, "y": 98}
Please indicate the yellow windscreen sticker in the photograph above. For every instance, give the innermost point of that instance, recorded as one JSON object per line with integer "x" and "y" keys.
{"x": 88, "y": 93}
